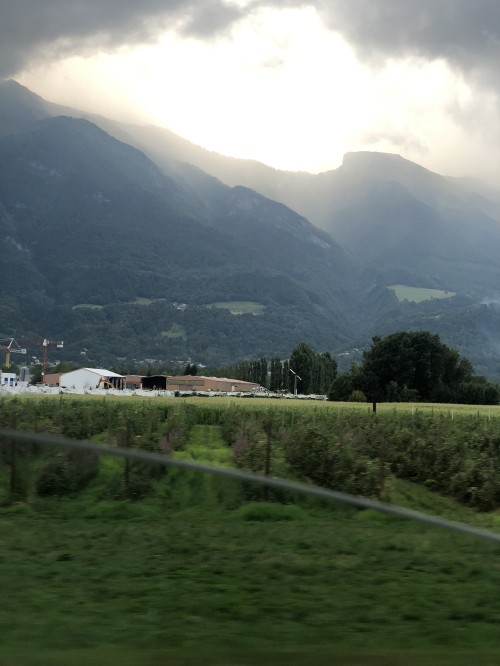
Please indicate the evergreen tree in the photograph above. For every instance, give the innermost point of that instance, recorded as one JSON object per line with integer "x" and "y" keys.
{"x": 302, "y": 362}
{"x": 316, "y": 371}
{"x": 276, "y": 378}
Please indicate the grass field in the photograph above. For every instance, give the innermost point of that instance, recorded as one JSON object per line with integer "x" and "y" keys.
{"x": 240, "y": 307}
{"x": 418, "y": 294}
{"x": 89, "y": 306}
{"x": 203, "y": 571}
{"x": 206, "y": 445}
{"x": 488, "y": 411}
{"x": 184, "y": 579}
{"x": 140, "y": 300}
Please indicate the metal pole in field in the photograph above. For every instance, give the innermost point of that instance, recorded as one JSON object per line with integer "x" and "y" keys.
{"x": 295, "y": 377}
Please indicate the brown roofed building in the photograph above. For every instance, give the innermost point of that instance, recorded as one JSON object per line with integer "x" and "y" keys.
{"x": 200, "y": 383}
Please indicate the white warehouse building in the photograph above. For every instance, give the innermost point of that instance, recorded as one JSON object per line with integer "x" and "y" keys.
{"x": 91, "y": 378}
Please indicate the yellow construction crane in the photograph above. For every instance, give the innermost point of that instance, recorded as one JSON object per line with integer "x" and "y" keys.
{"x": 10, "y": 348}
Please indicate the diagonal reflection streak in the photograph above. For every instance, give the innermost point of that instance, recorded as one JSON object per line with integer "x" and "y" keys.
{"x": 7, "y": 436}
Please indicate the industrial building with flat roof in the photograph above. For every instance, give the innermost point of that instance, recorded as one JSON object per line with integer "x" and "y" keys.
{"x": 197, "y": 383}
{"x": 92, "y": 378}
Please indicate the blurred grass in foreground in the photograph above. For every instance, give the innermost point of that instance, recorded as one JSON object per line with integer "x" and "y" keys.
{"x": 201, "y": 574}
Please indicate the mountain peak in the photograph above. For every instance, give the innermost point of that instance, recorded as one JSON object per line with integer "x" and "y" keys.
{"x": 354, "y": 157}
{"x": 374, "y": 167}
{"x": 365, "y": 159}
{"x": 20, "y": 107}
{"x": 19, "y": 92}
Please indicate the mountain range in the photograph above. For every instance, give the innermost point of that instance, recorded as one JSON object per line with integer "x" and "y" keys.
{"x": 129, "y": 242}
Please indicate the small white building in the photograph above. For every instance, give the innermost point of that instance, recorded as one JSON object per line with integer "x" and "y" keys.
{"x": 91, "y": 378}
{"x": 8, "y": 379}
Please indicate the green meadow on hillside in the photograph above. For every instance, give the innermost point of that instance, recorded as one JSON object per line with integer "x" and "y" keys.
{"x": 418, "y": 294}
{"x": 240, "y": 307}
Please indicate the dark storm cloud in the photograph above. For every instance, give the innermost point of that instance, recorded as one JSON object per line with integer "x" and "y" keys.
{"x": 36, "y": 29}
{"x": 210, "y": 18}
{"x": 466, "y": 33}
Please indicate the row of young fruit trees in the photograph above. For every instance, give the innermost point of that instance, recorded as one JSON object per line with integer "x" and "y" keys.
{"x": 344, "y": 448}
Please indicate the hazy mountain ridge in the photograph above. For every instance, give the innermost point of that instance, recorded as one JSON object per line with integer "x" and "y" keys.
{"x": 331, "y": 200}
{"x": 459, "y": 208}
{"x": 87, "y": 218}
{"x": 91, "y": 220}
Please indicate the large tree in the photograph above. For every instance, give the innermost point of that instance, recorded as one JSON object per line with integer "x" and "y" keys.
{"x": 302, "y": 365}
{"x": 414, "y": 365}
{"x": 415, "y": 359}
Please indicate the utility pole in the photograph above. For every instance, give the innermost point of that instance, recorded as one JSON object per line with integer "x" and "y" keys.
{"x": 295, "y": 377}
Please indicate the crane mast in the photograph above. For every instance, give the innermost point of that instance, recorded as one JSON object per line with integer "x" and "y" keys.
{"x": 45, "y": 342}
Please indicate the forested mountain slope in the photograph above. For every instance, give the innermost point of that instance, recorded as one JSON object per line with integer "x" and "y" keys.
{"x": 99, "y": 237}
{"x": 99, "y": 244}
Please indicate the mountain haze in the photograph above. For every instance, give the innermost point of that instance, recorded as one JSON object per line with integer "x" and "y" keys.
{"x": 101, "y": 241}
{"x": 375, "y": 205}
{"x": 131, "y": 242}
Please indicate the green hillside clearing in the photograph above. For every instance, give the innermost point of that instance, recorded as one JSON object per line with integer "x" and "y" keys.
{"x": 240, "y": 307}
{"x": 175, "y": 331}
{"x": 89, "y": 306}
{"x": 418, "y": 294}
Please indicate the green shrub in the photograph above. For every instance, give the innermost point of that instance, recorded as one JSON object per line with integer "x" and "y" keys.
{"x": 357, "y": 396}
{"x": 54, "y": 478}
{"x": 270, "y": 511}
{"x": 63, "y": 474}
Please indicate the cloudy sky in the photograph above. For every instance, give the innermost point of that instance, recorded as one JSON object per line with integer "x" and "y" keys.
{"x": 292, "y": 84}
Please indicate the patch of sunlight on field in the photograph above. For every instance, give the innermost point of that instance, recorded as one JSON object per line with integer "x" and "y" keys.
{"x": 419, "y": 294}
